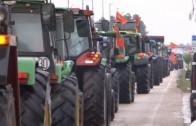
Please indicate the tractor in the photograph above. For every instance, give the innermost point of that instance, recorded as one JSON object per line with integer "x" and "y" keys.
{"x": 179, "y": 61}
{"x": 94, "y": 77}
{"x": 49, "y": 95}
{"x": 9, "y": 86}
{"x": 141, "y": 60}
{"x": 191, "y": 75}
{"x": 157, "y": 58}
{"x": 166, "y": 62}
{"x": 117, "y": 58}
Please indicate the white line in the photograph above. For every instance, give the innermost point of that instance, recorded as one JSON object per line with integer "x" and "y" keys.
{"x": 168, "y": 85}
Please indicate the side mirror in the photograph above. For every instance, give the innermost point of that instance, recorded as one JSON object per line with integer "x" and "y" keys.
{"x": 48, "y": 15}
{"x": 82, "y": 28}
{"x": 105, "y": 25}
{"x": 188, "y": 75}
{"x": 68, "y": 22}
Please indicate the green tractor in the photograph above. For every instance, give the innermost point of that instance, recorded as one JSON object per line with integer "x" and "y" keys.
{"x": 94, "y": 78}
{"x": 49, "y": 95}
{"x": 166, "y": 62}
{"x": 157, "y": 58}
{"x": 140, "y": 60}
{"x": 118, "y": 59}
{"x": 9, "y": 87}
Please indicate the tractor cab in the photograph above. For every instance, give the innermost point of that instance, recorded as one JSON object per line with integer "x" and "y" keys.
{"x": 34, "y": 24}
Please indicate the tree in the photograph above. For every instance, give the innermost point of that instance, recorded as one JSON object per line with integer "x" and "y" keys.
{"x": 187, "y": 59}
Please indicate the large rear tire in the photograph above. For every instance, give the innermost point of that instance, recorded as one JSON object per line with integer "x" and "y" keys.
{"x": 115, "y": 84}
{"x": 65, "y": 102}
{"x": 125, "y": 83}
{"x": 7, "y": 109}
{"x": 156, "y": 73}
{"x": 34, "y": 99}
{"x": 133, "y": 87}
{"x": 95, "y": 99}
{"x": 142, "y": 77}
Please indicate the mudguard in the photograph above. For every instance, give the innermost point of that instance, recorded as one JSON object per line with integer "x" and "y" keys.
{"x": 103, "y": 61}
{"x": 27, "y": 64}
{"x": 141, "y": 61}
{"x": 67, "y": 67}
{"x": 155, "y": 57}
{"x": 63, "y": 69}
{"x": 124, "y": 60}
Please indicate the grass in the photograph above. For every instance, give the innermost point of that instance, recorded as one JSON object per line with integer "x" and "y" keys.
{"x": 183, "y": 84}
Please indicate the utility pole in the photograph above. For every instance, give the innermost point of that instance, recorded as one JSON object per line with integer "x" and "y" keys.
{"x": 102, "y": 9}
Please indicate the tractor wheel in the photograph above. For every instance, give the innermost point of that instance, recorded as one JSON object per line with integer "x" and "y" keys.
{"x": 7, "y": 108}
{"x": 113, "y": 105}
{"x": 193, "y": 119}
{"x": 143, "y": 86}
{"x": 95, "y": 99}
{"x": 164, "y": 68}
{"x": 156, "y": 73}
{"x": 115, "y": 84}
{"x": 161, "y": 70}
{"x": 133, "y": 87}
{"x": 151, "y": 75}
{"x": 124, "y": 71}
{"x": 35, "y": 101}
{"x": 65, "y": 102}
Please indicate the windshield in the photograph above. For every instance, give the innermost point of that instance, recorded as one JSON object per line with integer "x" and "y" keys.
{"x": 77, "y": 45}
{"x": 28, "y": 30}
{"x": 130, "y": 45}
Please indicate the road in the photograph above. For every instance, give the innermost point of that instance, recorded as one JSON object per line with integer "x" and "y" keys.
{"x": 161, "y": 107}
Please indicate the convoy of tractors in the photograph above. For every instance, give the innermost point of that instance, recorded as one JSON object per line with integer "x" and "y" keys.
{"x": 57, "y": 69}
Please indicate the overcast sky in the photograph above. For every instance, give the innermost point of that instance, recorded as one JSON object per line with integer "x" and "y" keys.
{"x": 161, "y": 17}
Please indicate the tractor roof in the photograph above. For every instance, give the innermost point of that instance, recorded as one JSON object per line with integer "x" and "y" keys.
{"x": 156, "y": 38}
{"x": 110, "y": 33}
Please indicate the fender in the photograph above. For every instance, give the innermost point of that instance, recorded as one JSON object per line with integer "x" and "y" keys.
{"x": 63, "y": 69}
{"x": 155, "y": 57}
{"x": 123, "y": 60}
{"x": 141, "y": 59}
{"x": 103, "y": 61}
{"x": 27, "y": 65}
{"x": 67, "y": 67}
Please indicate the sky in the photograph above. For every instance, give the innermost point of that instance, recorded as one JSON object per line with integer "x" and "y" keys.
{"x": 169, "y": 18}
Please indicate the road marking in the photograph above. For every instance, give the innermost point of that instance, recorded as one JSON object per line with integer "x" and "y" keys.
{"x": 154, "y": 113}
{"x": 168, "y": 85}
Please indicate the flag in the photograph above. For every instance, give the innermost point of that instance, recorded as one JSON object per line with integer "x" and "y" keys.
{"x": 120, "y": 18}
{"x": 173, "y": 45}
{"x": 137, "y": 20}
{"x": 119, "y": 39}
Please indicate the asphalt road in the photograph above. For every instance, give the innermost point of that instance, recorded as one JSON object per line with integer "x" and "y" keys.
{"x": 161, "y": 107}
